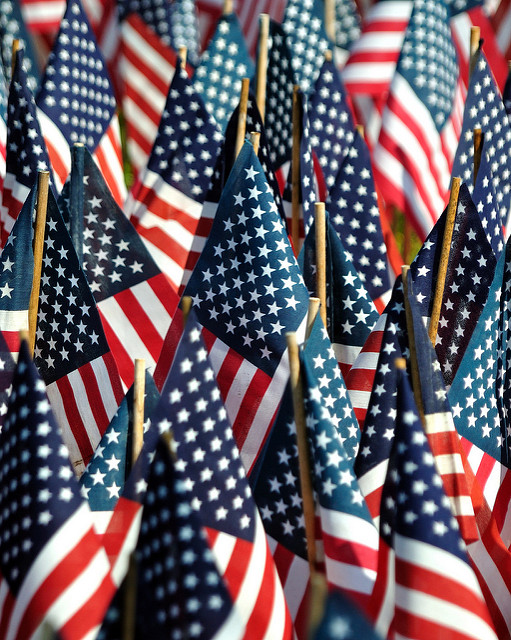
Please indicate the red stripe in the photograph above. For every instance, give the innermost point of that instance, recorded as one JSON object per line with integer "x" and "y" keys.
{"x": 123, "y": 516}
{"x": 251, "y": 401}
{"x": 169, "y": 349}
{"x": 74, "y": 419}
{"x": 94, "y": 397}
{"x": 283, "y": 559}
{"x": 125, "y": 363}
{"x": 358, "y": 554}
{"x": 58, "y": 164}
{"x": 150, "y": 199}
{"x": 104, "y": 163}
{"x": 165, "y": 293}
{"x": 64, "y": 575}
{"x": 263, "y": 609}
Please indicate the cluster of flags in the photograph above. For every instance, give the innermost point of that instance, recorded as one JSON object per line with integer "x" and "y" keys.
{"x": 226, "y": 408}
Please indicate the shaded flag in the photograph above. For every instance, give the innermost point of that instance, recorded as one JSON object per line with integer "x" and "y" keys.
{"x": 350, "y": 312}
{"x": 347, "y": 25}
{"x": 352, "y": 207}
{"x": 248, "y": 291}
{"x": 484, "y": 109}
{"x": 184, "y": 29}
{"x": 421, "y": 120}
{"x": 428, "y": 570}
{"x": 166, "y": 206}
{"x": 26, "y": 151}
{"x": 71, "y": 351}
{"x": 76, "y": 102}
{"x": 179, "y": 588}
{"x": 54, "y": 570}
{"x": 331, "y": 121}
{"x": 278, "y": 119}
{"x": 207, "y": 455}
{"x": 155, "y": 14}
{"x": 343, "y": 621}
{"x": 12, "y": 27}
{"x": 304, "y": 26}
{"x": 222, "y": 66}
{"x": 135, "y": 299}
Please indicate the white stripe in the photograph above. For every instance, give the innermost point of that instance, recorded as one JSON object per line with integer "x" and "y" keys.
{"x": 222, "y": 550}
{"x": 100, "y": 519}
{"x": 110, "y": 145}
{"x": 350, "y": 577}
{"x": 296, "y": 584}
{"x": 153, "y": 306}
{"x": 493, "y": 578}
{"x": 366, "y": 360}
{"x": 448, "y": 464}
{"x": 48, "y": 12}
{"x": 439, "y": 423}
{"x": 172, "y": 270}
{"x": 348, "y": 527}
{"x": 387, "y": 608}
{"x": 379, "y": 41}
{"x": 55, "y": 142}
{"x": 62, "y": 542}
{"x": 137, "y": 156}
{"x": 150, "y": 56}
{"x": 77, "y": 594}
{"x": 359, "y": 399}
{"x": 232, "y": 628}
{"x": 492, "y": 484}
{"x": 13, "y": 320}
{"x": 105, "y": 387}
{"x": 345, "y": 353}
{"x": 504, "y": 32}
{"x": 390, "y": 11}
{"x": 57, "y": 405}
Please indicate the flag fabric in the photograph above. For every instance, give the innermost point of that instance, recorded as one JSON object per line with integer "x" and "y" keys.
{"x": 247, "y": 291}
{"x": 347, "y": 25}
{"x": 207, "y": 455}
{"x": 179, "y": 589}
{"x": 278, "y": 119}
{"x": 350, "y": 312}
{"x": 26, "y": 152}
{"x": 71, "y": 351}
{"x": 500, "y": 19}
{"x": 103, "y": 480}
{"x": 431, "y": 590}
{"x": 485, "y": 109}
{"x": 184, "y": 29}
{"x": 485, "y": 200}
{"x": 55, "y": 571}
{"x": 135, "y": 300}
{"x": 76, "y": 102}
{"x": 166, "y": 206}
{"x": 304, "y": 26}
{"x": 421, "y": 121}
{"x": 16, "y": 273}
{"x": 146, "y": 67}
{"x": 331, "y": 122}
{"x": 342, "y": 619}
{"x": 12, "y": 27}
{"x": 222, "y": 66}
{"x": 469, "y": 274}
{"x": 352, "y": 207}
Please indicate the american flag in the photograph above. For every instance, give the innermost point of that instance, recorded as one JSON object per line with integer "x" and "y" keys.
{"x": 350, "y": 539}
{"x": 351, "y": 313}
{"x": 103, "y": 480}
{"x": 304, "y": 26}
{"x": 135, "y": 300}
{"x": 347, "y": 24}
{"x": 222, "y": 66}
{"x": 485, "y": 109}
{"x": 421, "y": 121}
{"x": 207, "y": 455}
{"x": 154, "y": 13}
{"x": 501, "y": 19}
{"x": 166, "y": 206}
{"x": 26, "y": 152}
{"x": 278, "y": 119}
{"x": 469, "y": 274}
{"x": 331, "y": 122}
{"x": 146, "y": 67}
{"x": 428, "y": 569}
{"x": 180, "y": 592}
{"x": 71, "y": 351}
{"x": 12, "y": 27}
{"x": 16, "y": 269}
{"x": 76, "y": 102}
{"x": 54, "y": 570}
{"x": 352, "y": 207}
{"x": 485, "y": 200}
{"x": 248, "y": 291}
{"x": 184, "y": 29}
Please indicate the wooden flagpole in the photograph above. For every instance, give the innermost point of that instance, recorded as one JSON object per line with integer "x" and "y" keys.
{"x": 43, "y": 181}
{"x": 262, "y": 63}
{"x": 320, "y": 225}
{"x": 295, "y": 170}
{"x": 311, "y": 315}
{"x": 416, "y": 383}
{"x": 309, "y": 509}
{"x": 475, "y": 35}
{"x": 183, "y": 53}
{"x": 138, "y": 410}
{"x": 186, "y": 305}
{"x": 255, "y": 138}
{"x": 228, "y": 7}
{"x": 15, "y": 49}
{"x": 478, "y": 149}
{"x": 444, "y": 260}
{"x": 330, "y": 19}
{"x": 242, "y": 115}
{"x": 130, "y": 600}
